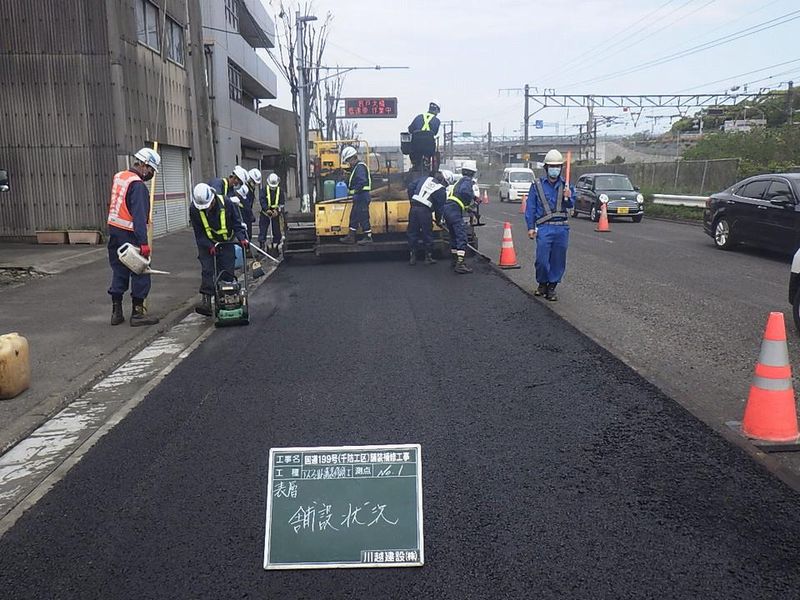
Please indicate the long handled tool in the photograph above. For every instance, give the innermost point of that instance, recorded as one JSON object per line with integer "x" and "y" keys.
{"x": 258, "y": 270}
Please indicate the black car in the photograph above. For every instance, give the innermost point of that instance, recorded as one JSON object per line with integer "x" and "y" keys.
{"x": 759, "y": 211}
{"x": 622, "y": 197}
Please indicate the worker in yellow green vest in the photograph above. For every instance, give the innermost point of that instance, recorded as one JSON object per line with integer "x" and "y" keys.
{"x": 359, "y": 185}
{"x": 424, "y": 129}
{"x": 272, "y": 201}
{"x": 214, "y": 219}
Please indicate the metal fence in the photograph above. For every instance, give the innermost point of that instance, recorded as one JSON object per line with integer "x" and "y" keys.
{"x": 696, "y": 177}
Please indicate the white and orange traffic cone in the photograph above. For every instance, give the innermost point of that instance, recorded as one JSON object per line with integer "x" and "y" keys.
{"x": 602, "y": 224}
{"x": 508, "y": 257}
{"x": 485, "y": 197}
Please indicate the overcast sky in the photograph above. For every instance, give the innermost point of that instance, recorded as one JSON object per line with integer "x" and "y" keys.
{"x": 463, "y": 53}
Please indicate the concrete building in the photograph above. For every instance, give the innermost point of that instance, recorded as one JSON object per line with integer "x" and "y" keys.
{"x": 237, "y": 79}
{"x": 84, "y": 88}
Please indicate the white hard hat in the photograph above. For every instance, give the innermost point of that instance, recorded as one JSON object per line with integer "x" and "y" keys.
{"x": 449, "y": 176}
{"x": 348, "y": 153}
{"x": 149, "y": 157}
{"x": 241, "y": 173}
{"x": 242, "y": 191}
{"x": 273, "y": 180}
{"x": 255, "y": 175}
{"x": 469, "y": 165}
{"x": 202, "y": 196}
{"x": 434, "y": 104}
{"x": 553, "y": 157}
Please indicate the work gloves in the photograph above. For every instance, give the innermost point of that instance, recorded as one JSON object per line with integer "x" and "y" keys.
{"x": 245, "y": 243}
{"x": 144, "y": 250}
{"x": 212, "y": 250}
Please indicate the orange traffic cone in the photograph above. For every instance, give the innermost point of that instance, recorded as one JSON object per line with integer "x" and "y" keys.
{"x": 485, "y": 197}
{"x": 508, "y": 258}
{"x": 770, "y": 414}
{"x": 602, "y": 224}
{"x": 523, "y": 204}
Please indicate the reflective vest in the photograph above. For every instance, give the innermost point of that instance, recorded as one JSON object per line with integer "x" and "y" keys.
{"x": 118, "y": 213}
{"x": 367, "y": 187}
{"x": 221, "y": 234}
{"x": 453, "y": 198}
{"x": 268, "y": 194}
{"x": 428, "y": 188}
{"x": 549, "y": 213}
{"x": 426, "y": 121}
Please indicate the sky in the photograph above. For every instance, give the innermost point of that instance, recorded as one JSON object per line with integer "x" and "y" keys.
{"x": 471, "y": 56}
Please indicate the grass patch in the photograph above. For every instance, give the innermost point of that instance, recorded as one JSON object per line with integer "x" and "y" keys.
{"x": 679, "y": 213}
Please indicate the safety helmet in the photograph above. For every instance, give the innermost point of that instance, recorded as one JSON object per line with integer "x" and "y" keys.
{"x": 149, "y": 157}
{"x": 241, "y": 173}
{"x": 348, "y": 153}
{"x": 273, "y": 180}
{"x": 470, "y": 166}
{"x": 202, "y": 196}
{"x": 449, "y": 176}
{"x": 553, "y": 157}
{"x": 434, "y": 106}
{"x": 243, "y": 191}
{"x": 255, "y": 176}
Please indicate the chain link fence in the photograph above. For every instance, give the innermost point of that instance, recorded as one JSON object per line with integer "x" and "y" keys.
{"x": 691, "y": 177}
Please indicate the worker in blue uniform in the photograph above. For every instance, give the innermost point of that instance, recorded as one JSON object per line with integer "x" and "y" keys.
{"x": 460, "y": 201}
{"x": 214, "y": 219}
{"x": 427, "y": 196}
{"x": 272, "y": 201}
{"x": 424, "y": 129}
{"x": 546, "y": 216}
{"x": 128, "y": 218}
{"x": 359, "y": 186}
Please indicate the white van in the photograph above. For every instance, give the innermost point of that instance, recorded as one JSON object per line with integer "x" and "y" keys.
{"x": 515, "y": 184}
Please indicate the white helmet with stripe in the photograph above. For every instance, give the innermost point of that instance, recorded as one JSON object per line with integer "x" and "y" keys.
{"x": 149, "y": 157}
{"x": 202, "y": 196}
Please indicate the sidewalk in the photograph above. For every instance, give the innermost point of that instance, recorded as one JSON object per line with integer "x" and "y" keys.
{"x": 65, "y": 317}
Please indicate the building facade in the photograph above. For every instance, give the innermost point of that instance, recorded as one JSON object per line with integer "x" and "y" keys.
{"x": 237, "y": 79}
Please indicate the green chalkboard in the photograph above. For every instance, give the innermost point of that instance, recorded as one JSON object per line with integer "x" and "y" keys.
{"x": 345, "y": 506}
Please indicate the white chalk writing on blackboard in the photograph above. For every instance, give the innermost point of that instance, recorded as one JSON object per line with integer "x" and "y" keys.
{"x": 317, "y": 517}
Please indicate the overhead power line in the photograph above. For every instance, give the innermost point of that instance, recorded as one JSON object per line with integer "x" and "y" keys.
{"x": 732, "y": 77}
{"x": 748, "y": 31}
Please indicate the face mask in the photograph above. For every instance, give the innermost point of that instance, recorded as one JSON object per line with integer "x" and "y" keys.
{"x": 149, "y": 175}
{"x": 553, "y": 172}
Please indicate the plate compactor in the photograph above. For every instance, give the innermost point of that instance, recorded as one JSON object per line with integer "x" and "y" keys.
{"x": 230, "y": 294}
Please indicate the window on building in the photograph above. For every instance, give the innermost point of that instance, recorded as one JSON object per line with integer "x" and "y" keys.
{"x": 235, "y": 82}
{"x": 232, "y": 14}
{"x": 175, "y": 41}
{"x": 147, "y": 24}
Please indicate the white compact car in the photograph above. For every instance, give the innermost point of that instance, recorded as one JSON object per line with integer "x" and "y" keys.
{"x": 515, "y": 184}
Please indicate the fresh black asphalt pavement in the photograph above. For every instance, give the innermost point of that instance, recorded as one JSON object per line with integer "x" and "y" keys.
{"x": 550, "y": 469}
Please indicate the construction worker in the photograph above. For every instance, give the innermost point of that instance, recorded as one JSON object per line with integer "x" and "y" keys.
{"x": 546, "y": 216}
{"x": 359, "y": 184}
{"x": 272, "y": 205}
{"x": 248, "y": 216}
{"x": 227, "y": 186}
{"x": 427, "y": 196}
{"x": 460, "y": 201}
{"x": 424, "y": 129}
{"x": 214, "y": 219}
{"x": 128, "y": 218}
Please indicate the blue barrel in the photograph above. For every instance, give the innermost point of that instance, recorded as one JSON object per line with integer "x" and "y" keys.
{"x": 239, "y": 256}
{"x": 329, "y": 189}
{"x": 341, "y": 189}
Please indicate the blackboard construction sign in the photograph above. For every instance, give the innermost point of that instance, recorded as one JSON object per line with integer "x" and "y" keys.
{"x": 345, "y": 506}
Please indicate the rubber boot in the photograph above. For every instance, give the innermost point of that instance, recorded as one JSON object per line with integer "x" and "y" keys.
{"x": 367, "y": 239}
{"x": 453, "y": 259}
{"x": 139, "y": 315}
{"x": 541, "y": 290}
{"x": 412, "y": 257}
{"x": 349, "y": 239}
{"x": 429, "y": 260}
{"x": 204, "y": 306}
{"x": 551, "y": 292}
{"x": 461, "y": 266}
{"x": 117, "y": 316}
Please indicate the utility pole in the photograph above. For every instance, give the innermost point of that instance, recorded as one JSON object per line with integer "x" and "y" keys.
{"x": 526, "y": 121}
{"x": 302, "y": 156}
{"x": 790, "y": 101}
{"x": 489, "y": 144}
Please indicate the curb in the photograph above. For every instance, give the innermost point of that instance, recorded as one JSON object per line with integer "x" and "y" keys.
{"x": 769, "y": 462}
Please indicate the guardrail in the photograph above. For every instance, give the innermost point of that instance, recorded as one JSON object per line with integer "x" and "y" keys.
{"x": 674, "y": 200}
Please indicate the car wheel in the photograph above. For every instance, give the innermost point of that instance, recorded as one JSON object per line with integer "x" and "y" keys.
{"x": 574, "y": 213}
{"x": 593, "y": 214}
{"x": 501, "y": 198}
{"x": 638, "y": 218}
{"x": 722, "y": 234}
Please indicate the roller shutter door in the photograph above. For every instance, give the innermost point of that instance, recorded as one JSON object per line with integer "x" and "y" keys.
{"x": 171, "y": 202}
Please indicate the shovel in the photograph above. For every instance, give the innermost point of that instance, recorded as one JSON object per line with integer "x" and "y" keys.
{"x": 258, "y": 270}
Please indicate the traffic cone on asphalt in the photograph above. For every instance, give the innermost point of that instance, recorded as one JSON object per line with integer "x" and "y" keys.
{"x": 602, "y": 224}
{"x": 485, "y": 197}
{"x": 770, "y": 414}
{"x": 508, "y": 258}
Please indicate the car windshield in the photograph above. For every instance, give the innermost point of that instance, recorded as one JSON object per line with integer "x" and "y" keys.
{"x": 610, "y": 183}
{"x": 520, "y": 177}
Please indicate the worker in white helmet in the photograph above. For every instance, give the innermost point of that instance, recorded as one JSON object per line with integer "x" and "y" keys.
{"x": 272, "y": 201}
{"x": 214, "y": 218}
{"x": 359, "y": 184}
{"x": 546, "y": 216}
{"x": 128, "y": 218}
{"x": 461, "y": 200}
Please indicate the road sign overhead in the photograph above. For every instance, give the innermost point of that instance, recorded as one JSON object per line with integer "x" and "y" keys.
{"x": 345, "y": 506}
{"x": 370, "y": 108}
